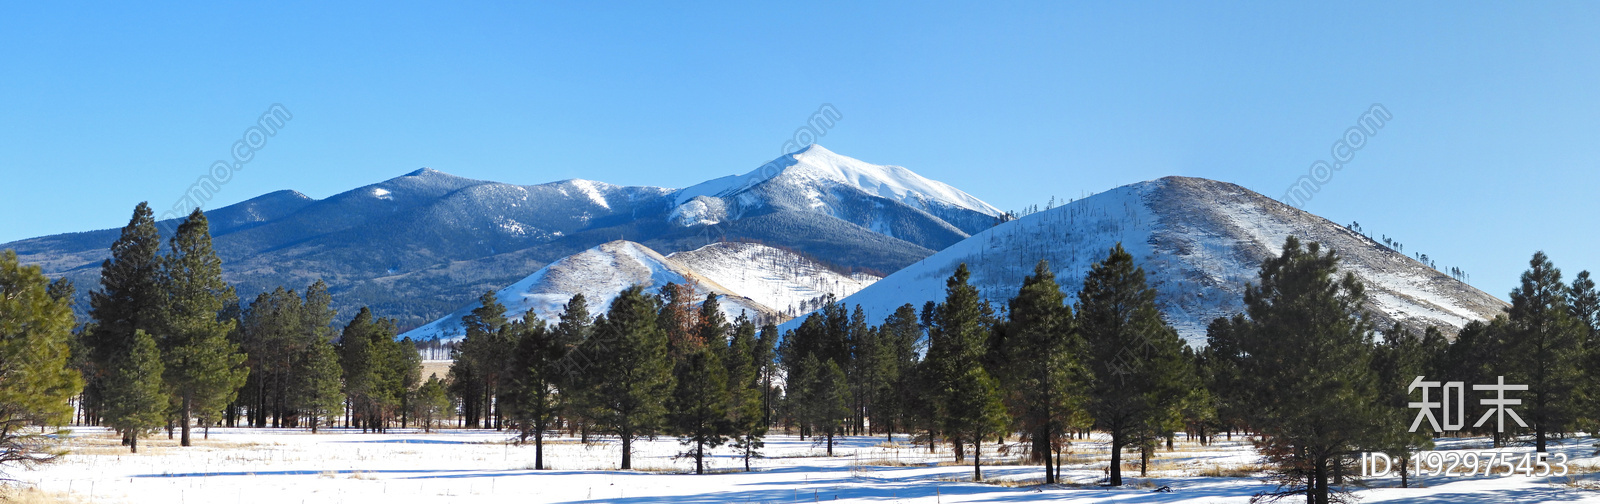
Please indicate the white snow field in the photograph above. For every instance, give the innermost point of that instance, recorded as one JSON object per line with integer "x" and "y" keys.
{"x": 293, "y": 466}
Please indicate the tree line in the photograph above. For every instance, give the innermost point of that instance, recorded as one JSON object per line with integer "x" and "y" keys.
{"x": 170, "y": 345}
{"x": 1302, "y": 370}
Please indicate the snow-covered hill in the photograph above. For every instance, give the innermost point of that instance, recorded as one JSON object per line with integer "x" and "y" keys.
{"x": 776, "y": 278}
{"x": 1200, "y": 241}
{"x": 417, "y": 246}
{"x": 891, "y": 200}
{"x": 600, "y": 274}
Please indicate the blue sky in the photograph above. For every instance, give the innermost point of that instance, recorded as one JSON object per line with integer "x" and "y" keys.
{"x": 1492, "y": 152}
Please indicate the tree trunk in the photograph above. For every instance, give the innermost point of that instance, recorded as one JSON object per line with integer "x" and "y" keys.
{"x": 1116, "y": 459}
{"x": 538, "y": 449}
{"x": 627, "y": 451}
{"x": 133, "y": 444}
{"x": 187, "y": 414}
{"x": 699, "y": 457}
{"x": 977, "y": 458}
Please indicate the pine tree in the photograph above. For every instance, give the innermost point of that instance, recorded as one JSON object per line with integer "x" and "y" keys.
{"x": 1133, "y": 355}
{"x": 136, "y": 399}
{"x": 533, "y": 382}
{"x": 578, "y": 372}
{"x": 957, "y": 344}
{"x": 1316, "y": 401}
{"x": 270, "y": 334}
{"x": 432, "y": 403}
{"x": 202, "y": 368}
{"x": 699, "y": 406}
{"x": 1042, "y": 369}
{"x": 744, "y": 361}
{"x": 129, "y": 299}
{"x": 1400, "y": 358}
{"x": 901, "y": 338}
{"x": 975, "y": 411}
{"x": 36, "y": 381}
{"x": 630, "y": 350}
{"x": 1545, "y": 352}
{"x": 829, "y": 400}
{"x": 486, "y": 349}
{"x": 317, "y": 392}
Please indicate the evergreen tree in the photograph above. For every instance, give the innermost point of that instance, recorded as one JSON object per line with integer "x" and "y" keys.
{"x": 271, "y": 335}
{"x": 379, "y": 371}
{"x": 431, "y": 405}
{"x": 1042, "y": 370}
{"x": 957, "y": 345}
{"x": 766, "y": 354}
{"x": 202, "y": 368}
{"x": 1316, "y": 401}
{"x": 899, "y": 337}
{"x": 136, "y": 399}
{"x": 631, "y": 400}
{"x": 129, "y": 299}
{"x": 578, "y": 372}
{"x": 36, "y": 381}
{"x": 1133, "y": 355}
{"x": 699, "y": 413}
{"x": 485, "y": 349}
{"x": 974, "y": 412}
{"x": 1545, "y": 350}
{"x": 532, "y": 384}
{"x": 829, "y": 401}
{"x": 747, "y": 424}
{"x": 317, "y": 392}
{"x": 1400, "y": 358}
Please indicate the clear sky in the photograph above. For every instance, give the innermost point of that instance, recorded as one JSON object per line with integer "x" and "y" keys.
{"x": 1492, "y": 152}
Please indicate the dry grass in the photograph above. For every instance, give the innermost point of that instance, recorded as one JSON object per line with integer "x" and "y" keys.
{"x": 1233, "y": 471}
{"x": 36, "y": 496}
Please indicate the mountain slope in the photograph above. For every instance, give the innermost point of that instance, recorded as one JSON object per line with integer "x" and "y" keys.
{"x": 600, "y": 274}
{"x": 1200, "y": 241}
{"x": 776, "y": 278}
{"x": 890, "y": 200}
{"x": 418, "y": 246}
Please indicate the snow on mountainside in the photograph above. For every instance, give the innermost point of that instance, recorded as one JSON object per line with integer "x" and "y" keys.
{"x": 600, "y": 274}
{"x": 1200, "y": 241}
{"x": 776, "y": 278}
{"x": 889, "y": 200}
{"x": 815, "y": 163}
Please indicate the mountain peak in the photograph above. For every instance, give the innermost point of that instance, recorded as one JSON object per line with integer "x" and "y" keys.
{"x": 813, "y": 166}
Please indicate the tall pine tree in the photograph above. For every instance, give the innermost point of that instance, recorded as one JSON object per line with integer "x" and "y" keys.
{"x": 630, "y": 351}
{"x": 1042, "y": 370}
{"x": 1316, "y": 402}
{"x": 129, "y": 299}
{"x": 1133, "y": 355}
{"x": 1545, "y": 351}
{"x": 36, "y": 381}
{"x": 203, "y": 368}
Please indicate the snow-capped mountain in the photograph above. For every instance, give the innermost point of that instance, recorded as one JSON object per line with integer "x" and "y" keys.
{"x": 418, "y": 246}
{"x": 600, "y": 274}
{"x": 776, "y": 278}
{"x": 1199, "y": 241}
{"x": 890, "y": 200}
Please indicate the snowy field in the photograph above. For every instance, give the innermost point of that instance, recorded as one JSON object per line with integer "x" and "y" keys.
{"x": 286, "y": 466}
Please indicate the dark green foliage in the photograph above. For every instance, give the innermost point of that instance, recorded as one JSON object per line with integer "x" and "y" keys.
{"x": 1399, "y": 359}
{"x": 378, "y": 371}
{"x": 204, "y": 370}
{"x": 1043, "y": 378}
{"x": 1316, "y": 402}
{"x": 35, "y": 379}
{"x": 1544, "y": 350}
{"x": 484, "y": 356}
{"x": 136, "y": 398}
{"x": 431, "y": 404}
{"x": 1133, "y": 355}
{"x": 315, "y": 388}
{"x": 630, "y": 350}
{"x": 532, "y": 383}
{"x": 699, "y": 407}
{"x": 745, "y": 359}
{"x": 129, "y": 299}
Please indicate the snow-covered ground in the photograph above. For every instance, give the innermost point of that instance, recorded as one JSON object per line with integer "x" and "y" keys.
{"x": 285, "y": 466}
